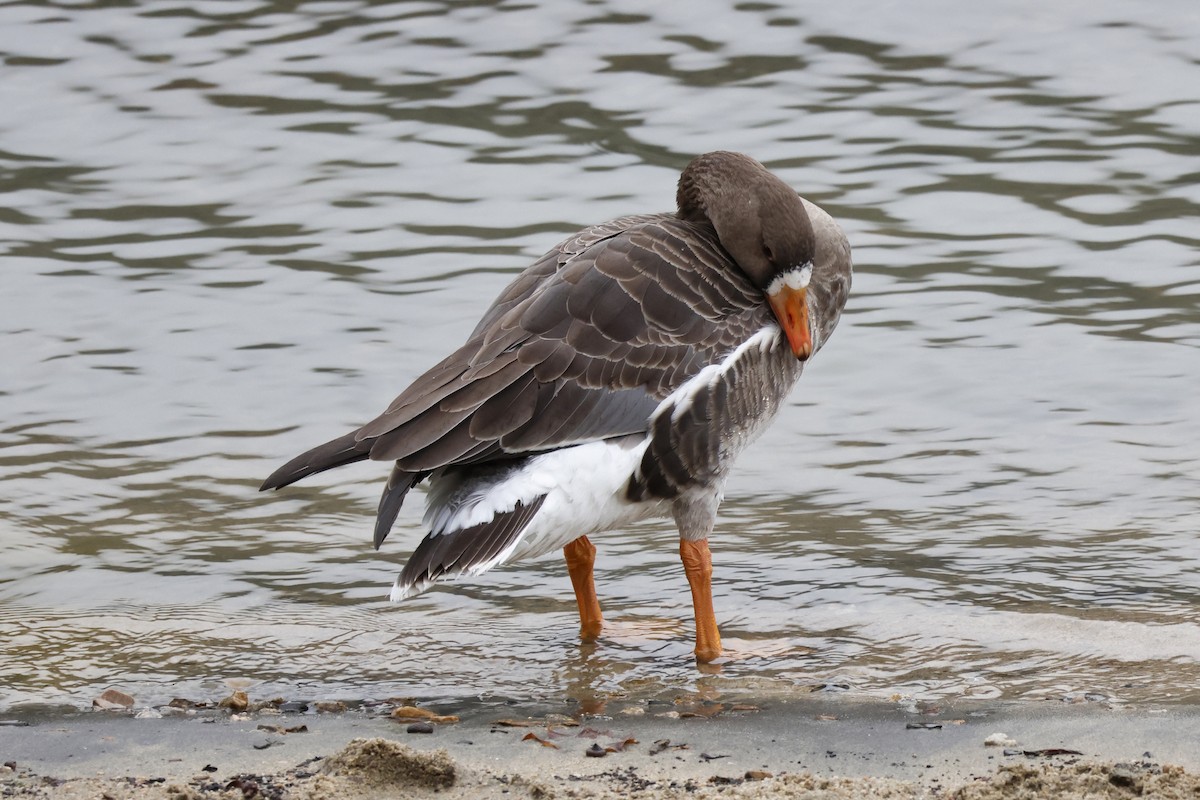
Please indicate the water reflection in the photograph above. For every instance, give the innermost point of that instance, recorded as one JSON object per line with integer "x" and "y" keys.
{"x": 232, "y": 230}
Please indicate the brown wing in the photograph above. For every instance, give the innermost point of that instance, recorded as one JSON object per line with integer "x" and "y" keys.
{"x": 583, "y": 345}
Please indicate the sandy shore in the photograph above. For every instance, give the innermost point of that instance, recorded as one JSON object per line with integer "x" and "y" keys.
{"x": 789, "y": 749}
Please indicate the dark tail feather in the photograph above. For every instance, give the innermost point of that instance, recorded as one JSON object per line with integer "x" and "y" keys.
{"x": 459, "y": 551}
{"x": 399, "y": 482}
{"x": 342, "y": 450}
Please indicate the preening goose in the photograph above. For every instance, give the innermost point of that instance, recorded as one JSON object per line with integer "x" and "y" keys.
{"x": 614, "y": 380}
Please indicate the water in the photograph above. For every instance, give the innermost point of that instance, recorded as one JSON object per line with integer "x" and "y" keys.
{"x": 231, "y": 232}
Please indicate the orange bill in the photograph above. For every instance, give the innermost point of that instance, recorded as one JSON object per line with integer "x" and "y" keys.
{"x": 791, "y": 309}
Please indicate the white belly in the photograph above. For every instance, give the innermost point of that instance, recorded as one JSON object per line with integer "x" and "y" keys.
{"x": 584, "y": 486}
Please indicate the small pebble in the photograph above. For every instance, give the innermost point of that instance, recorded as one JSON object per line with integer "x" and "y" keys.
{"x": 147, "y": 713}
{"x": 596, "y": 751}
{"x": 420, "y": 727}
{"x": 1084, "y": 697}
{"x": 293, "y": 707}
{"x": 1122, "y": 776}
{"x": 1000, "y": 740}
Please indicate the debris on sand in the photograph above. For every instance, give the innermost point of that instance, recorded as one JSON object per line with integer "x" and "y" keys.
{"x": 282, "y": 730}
{"x": 1094, "y": 781}
{"x": 379, "y": 768}
{"x": 533, "y": 737}
{"x": 415, "y": 714}
{"x": 999, "y": 740}
{"x": 384, "y": 762}
{"x": 330, "y": 706}
{"x": 236, "y": 702}
{"x": 112, "y": 700}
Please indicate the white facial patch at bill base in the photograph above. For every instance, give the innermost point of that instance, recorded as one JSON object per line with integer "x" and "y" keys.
{"x": 795, "y": 279}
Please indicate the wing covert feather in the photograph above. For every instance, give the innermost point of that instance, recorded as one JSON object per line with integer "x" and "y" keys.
{"x": 583, "y": 345}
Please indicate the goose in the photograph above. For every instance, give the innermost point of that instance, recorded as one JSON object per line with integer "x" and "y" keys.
{"x": 614, "y": 380}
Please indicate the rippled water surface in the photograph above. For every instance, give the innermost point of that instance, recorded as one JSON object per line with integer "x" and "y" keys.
{"x": 231, "y": 232}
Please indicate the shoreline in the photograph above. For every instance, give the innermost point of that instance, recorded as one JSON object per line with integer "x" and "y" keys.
{"x": 845, "y": 748}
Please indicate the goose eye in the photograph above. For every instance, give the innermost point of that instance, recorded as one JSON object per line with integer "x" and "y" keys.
{"x": 768, "y": 253}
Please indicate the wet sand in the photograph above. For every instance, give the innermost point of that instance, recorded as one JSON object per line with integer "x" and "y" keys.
{"x": 787, "y": 749}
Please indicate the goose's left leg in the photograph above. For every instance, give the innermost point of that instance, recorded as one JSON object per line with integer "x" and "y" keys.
{"x": 697, "y": 564}
{"x": 581, "y": 557}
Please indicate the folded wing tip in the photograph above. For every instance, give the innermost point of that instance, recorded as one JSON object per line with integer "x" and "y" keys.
{"x": 273, "y": 481}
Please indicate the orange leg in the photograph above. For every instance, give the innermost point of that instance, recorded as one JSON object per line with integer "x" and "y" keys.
{"x": 581, "y": 556}
{"x": 697, "y": 563}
